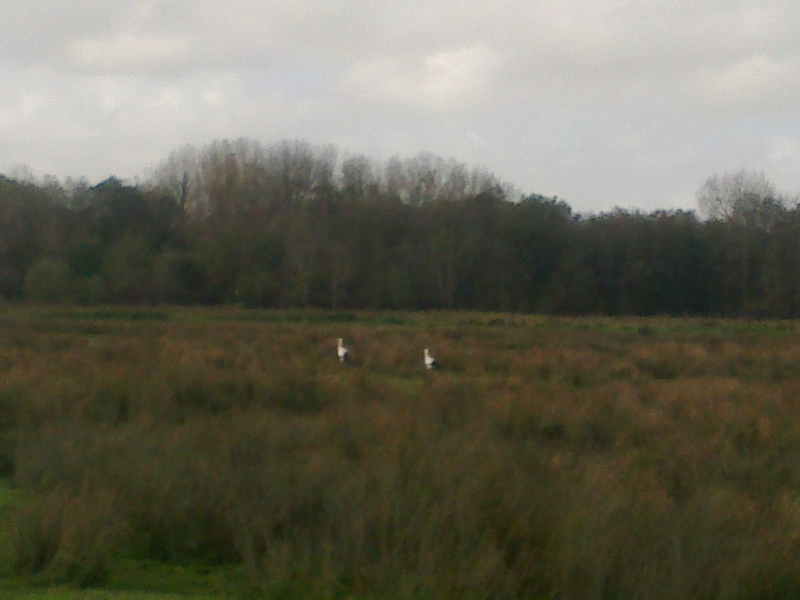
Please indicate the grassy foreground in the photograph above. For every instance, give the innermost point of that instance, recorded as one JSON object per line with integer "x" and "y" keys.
{"x": 67, "y": 594}
{"x": 153, "y": 454}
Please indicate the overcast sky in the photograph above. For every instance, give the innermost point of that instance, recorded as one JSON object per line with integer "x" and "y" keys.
{"x": 603, "y": 103}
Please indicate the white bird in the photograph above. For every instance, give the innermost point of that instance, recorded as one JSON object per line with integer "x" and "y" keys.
{"x": 430, "y": 362}
{"x": 341, "y": 350}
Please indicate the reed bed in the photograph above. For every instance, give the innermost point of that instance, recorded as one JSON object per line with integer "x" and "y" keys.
{"x": 547, "y": 458}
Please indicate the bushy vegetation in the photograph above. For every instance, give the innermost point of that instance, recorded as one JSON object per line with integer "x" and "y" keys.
{"x": 548, "y": 458}
{"x": 290, "y": 226}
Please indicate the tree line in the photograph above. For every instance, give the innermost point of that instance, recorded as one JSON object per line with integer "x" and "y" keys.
{"x": 295, "y": 225}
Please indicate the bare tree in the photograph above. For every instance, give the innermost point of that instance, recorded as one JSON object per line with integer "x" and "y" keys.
{"x": 751, "y": 207}
{"x": 746, "y": 197}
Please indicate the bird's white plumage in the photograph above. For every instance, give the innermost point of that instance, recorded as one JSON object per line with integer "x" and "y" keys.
{"x": 341, "y": 350}
{"x": 430, "y": 362}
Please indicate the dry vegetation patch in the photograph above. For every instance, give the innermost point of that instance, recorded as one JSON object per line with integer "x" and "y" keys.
{"x": 546, "y": 458}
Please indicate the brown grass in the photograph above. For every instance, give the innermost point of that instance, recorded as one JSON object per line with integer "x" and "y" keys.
{"x": 547, "y": 459}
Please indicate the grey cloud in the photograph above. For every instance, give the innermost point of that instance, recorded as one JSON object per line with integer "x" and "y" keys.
{"x": 602, "y": 103}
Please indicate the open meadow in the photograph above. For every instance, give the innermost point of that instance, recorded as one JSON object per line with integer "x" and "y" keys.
{"x": 150, "y": 454}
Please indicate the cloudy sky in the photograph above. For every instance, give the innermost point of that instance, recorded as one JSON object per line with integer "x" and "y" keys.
{"x": 604, "y": 103}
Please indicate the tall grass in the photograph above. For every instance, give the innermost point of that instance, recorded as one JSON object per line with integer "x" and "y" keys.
{"x": 544, "y": 460}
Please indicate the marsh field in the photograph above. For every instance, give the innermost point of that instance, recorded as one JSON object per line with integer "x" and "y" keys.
{"x": 157, "y": 454}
